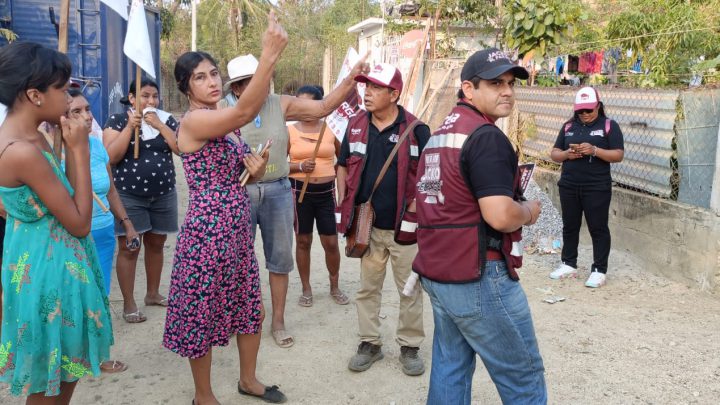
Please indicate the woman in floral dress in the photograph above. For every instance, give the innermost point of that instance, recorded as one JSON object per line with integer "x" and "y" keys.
{"x": 215, "y": 286}
{"x": 56, "y": 324}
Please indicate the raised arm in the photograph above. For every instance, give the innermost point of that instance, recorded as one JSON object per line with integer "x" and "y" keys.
{"x": 303, "y": 109}
{"x": 203, "y": 125}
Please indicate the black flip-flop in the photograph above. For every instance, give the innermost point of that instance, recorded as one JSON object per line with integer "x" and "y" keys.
{"x": 271, "y": 394}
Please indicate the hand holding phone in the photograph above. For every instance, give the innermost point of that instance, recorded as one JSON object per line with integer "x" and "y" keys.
{"x": 132, "y": 243}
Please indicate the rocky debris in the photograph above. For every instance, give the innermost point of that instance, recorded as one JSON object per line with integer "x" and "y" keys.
{"x": 545, "y": 236}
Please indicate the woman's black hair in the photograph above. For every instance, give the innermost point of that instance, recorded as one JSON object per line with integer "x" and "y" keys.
{"x": 75, "y": 92}
{"x": 185, "y": 66}
{"x": 144, "y": 81}
{"x": 601, "y": 112}
{"x": 27, "y": 65}
{"x": 316, "y": 92}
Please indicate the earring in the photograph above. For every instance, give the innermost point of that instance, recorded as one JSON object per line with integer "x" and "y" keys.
{"x": 38, "y": 103}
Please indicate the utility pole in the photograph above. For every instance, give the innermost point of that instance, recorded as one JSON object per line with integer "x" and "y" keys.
{"x": 194, "y": 25}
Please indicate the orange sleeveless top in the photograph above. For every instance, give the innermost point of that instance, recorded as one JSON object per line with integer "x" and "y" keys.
{"x": 302, "y": 146}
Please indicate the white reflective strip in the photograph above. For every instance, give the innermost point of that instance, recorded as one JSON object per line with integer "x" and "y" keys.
{"x": 517, "y": 249}
{"x": 447, "y": 141}
{"x": 406, "y": 226}
{"x": 414, "y": 150}
{"x": 358, "y": 147}
{"x": 338, "y": 216}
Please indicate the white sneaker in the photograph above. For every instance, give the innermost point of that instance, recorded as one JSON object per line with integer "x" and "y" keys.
{"x": 563, "y": 271}
{"x": 595, "y": 280}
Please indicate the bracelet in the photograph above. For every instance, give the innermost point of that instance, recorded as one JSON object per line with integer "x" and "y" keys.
{"x": 300, "y": 167}
{"x": 529, "y": 212}
{"x": 123, "y": 220}
{"x": 594, "y": 151}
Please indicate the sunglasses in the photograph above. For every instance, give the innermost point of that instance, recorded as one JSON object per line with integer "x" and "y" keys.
{"x": 585, "y": 111}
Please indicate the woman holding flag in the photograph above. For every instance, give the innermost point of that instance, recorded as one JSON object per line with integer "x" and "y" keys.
{"x": 215, "y": 285}
{"x": 146, "y": 186}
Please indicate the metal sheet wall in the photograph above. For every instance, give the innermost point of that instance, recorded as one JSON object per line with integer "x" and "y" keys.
{"x": 95, "y": 44}
{"x": 646, "y": 117}
{"x": 697, "y": 136}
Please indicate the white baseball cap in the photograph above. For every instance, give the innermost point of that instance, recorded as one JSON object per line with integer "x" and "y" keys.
{"x": 586, "y": 99}
{"x": 241, "y": 68}
{"x": 383, "y": 74}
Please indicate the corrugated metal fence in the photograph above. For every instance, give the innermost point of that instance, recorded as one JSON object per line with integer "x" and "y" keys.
{"x": 647, "y": 119}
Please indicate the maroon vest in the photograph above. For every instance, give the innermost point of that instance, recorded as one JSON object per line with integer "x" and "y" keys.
{"x": 451, "y": 230}
{"x": 407, "y": 162}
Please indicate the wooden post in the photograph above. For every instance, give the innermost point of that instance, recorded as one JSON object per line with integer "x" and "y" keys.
{"x": 421, "y": 111}
{"x": 62, "y": 47}
{"x": 412, "y": 79}
{"x": 138, "y": 86}
{"x": 315, "y": 152}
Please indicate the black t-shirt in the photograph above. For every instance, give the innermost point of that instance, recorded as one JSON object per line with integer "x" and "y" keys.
{"x": 379, "y": 146}
{"x": 489, "y": 163}
{"x": 588, "y": 170}
{"x": 153, "y": 173}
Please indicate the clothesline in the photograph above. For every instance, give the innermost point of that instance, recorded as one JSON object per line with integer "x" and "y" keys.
{"x": 608, "y": 42}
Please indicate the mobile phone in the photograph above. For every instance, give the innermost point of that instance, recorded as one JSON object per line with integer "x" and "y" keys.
{"x": 133, "y": 244}
{"x": 574, "y": 146}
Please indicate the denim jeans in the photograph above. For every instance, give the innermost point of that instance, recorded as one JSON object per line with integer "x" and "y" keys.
{"x": 273, "y": 210}
{"x": 490, "y": 318}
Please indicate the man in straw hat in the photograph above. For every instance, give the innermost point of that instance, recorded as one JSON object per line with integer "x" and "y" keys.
{"x": 271, "y": 197}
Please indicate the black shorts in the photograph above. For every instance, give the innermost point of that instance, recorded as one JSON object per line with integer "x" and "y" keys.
{"x": 318, "y": 206}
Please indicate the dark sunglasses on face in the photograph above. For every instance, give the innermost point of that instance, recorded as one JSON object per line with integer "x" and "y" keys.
{"x": 585, "y": 111}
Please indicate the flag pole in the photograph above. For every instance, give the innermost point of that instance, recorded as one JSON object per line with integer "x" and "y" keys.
{"x": 315, "y": 152}
{"x": 62, "y": 47}
{"x": 138, "y": 86}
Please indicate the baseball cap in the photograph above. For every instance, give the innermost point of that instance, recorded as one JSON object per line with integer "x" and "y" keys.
{"x": 489, "y": 64}
{"x": 586, "y": 99}
{"x": 241, "y": 68}
{"x": 383, "y": 74}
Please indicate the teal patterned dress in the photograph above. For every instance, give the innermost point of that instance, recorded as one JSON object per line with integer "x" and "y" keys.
{"x": 56, "y": 323}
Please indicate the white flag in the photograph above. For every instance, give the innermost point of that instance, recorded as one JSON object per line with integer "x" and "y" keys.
{"x": 137, "y": 40}
{"x": 120, "y": 7}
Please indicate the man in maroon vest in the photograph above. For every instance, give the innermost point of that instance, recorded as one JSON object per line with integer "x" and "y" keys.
{"x": 470, "y": 213}
{"x": 369, "y": 139}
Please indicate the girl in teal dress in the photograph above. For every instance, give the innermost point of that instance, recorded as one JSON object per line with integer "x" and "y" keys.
{"x": 56, "y": 325}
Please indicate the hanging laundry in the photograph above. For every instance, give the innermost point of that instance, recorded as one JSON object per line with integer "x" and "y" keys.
{"x": 573, "y": 64}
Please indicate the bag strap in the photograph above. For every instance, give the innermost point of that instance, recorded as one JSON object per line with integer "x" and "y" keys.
{"x": 390, "y": 158}
{"x": 607, "y": 127}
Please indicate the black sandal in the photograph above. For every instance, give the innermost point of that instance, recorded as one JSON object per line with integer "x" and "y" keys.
{"x": 271, "y": 394}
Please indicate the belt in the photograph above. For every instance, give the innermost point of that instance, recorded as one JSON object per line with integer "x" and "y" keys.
{"x": 272, "y": 181}
{"x": 494, "y": 255}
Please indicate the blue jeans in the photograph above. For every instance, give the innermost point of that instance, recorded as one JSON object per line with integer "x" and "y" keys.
{"x": 490, "y": 318}
{"x": 273, "y": 210}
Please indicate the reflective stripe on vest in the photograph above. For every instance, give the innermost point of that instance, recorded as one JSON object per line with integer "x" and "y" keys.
{"x": 454, "y": 141}
{"x": 358, "y": 147}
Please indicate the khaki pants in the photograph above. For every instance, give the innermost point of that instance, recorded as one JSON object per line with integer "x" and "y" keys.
{"x": 372, "y": 275}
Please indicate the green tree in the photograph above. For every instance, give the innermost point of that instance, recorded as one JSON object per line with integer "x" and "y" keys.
{"x": 669, "y": 35}
{"x": 538, "y": 25}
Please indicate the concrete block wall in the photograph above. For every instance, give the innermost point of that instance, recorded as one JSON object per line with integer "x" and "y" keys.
{"x": 675, "y": 240}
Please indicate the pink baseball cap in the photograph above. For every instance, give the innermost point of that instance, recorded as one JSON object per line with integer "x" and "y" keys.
{"x": 383, "y": 74}
{"x": 586, "y": 98}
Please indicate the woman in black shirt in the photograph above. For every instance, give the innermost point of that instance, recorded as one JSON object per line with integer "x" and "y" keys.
{"x": 586, "y": 145}
{"x": 146, "y": 186}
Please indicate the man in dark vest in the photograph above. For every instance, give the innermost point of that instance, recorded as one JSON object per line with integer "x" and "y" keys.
{"x": 368, "y": 142}
{"x": 470, "y": 213}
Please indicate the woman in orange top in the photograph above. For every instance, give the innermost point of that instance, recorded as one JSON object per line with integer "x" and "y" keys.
{"x": 319, "y": 202}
